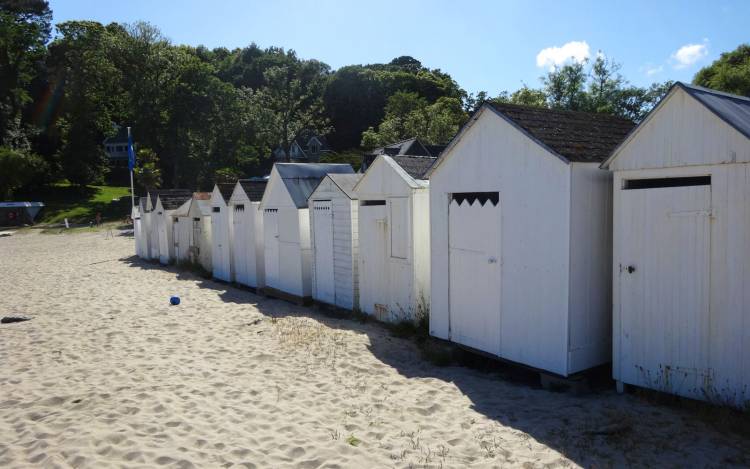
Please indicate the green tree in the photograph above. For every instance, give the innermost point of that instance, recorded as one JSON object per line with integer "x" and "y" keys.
{"x": 565, "y": 87}
{"x": 292, "y": 102}
{"x": 17, "y": 169}
{"x": 24, "y": 30}
{"x": 147, "y": 174}
{"x": 729, "y": 73}
{"x": 80, "y": 63}
{"x": 409, "y": 115}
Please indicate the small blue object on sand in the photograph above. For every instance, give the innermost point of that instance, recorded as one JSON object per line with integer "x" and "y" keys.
{"x": 174, "y": 301}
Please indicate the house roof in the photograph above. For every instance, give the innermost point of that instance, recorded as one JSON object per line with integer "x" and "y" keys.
{"x": 301, "y": 179}
{"x": 731, "y": 108}
{"x": 415, "y": 166}
{"x": 346, "y": 183}
{"x": 253, "y": 189}
{"x": 121, "y": 137}
{"x": 410, "y": 146}
{"x": 201, "y": 196}
{"x": 573, "y": 136}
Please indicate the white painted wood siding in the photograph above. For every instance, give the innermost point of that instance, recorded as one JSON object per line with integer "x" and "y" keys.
{"x": 721, "y": 347}
{"x": 590, "y": 304}
{"x": 344, "y": 260}
{"x": 534, "y": 191}
{"x": 682, "y": 132}
{"x": 394, "y": 285}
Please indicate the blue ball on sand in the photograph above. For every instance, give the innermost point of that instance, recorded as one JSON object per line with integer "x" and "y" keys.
{"x": 174, "y": 301}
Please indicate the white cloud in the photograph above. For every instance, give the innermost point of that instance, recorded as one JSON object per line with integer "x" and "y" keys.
{"x": 689, "y": 54}
{"x": 653, "y": 70}
{"x": 576, "y": 51}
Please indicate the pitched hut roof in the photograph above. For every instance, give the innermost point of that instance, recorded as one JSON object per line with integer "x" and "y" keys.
{"x": 253, "y": 189}
{"x": 415, "y": 166}
{"x": 301, "y": 179}
{"x": 575, "y": 136}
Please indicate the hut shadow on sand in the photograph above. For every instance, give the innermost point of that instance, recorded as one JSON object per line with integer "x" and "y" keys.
{"x": 596, "y": 428}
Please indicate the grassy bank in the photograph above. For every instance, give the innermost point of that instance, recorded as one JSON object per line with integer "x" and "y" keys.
{"x": 80, "y": 204}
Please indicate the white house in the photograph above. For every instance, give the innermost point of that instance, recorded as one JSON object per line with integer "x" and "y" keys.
{"x": 192, "y": 231}
{"x": 247, "y": 232}
{"x": 521, "y": 236}
{"x": 286, "y": 226}
{"x": 394, "y": 238}
{"x": 167, "y": 202}
{"x": 682, "y": 248}
{"x": 221, "y": 232}
{"x": 334, "y": 228}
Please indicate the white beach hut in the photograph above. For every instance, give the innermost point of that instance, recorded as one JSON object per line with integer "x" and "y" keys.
{"x": 167, "y": 202}
{"x": 221, "y": 232}
{"x": 144, "y": 231}
{"x": 247, "y": 232}
{"x": 192, "y": 231}
{"x": 286, "y": 227}
{"x": 394, "y": 238}
{"x": 682, "y": 248}
{"x": 521, "y": 236}
{"x": 151, "y": 229}
{"x": 140, "y": 240}
{"x": 334, "y": 228}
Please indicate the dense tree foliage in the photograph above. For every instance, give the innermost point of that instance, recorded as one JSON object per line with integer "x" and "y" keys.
{"x": 201, "y": 115}
{"x": 730, "y": 73}
{"x": 24, "y": 29}
{"x": 407, "y": 115}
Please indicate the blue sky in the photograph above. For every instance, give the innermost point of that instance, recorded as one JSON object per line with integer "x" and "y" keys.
{"x": 484, "y": 45}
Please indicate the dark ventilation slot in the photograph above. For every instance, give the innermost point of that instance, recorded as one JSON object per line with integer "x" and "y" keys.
{"x": 239, "y": 208}
{"x": 176, "y": 220}
{"x": 271, "y": 210}
{"x": 367, "y": 203}
{"x": 630, "y": 184}
{"x": 322, "y": 207}
{"x": 470, "y": 197}
{"x": 196, "y": 219}
{"x": 216, "y": 209}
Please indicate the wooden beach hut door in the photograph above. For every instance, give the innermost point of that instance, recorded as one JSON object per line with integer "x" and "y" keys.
{"x": 475, "y": 270}
{"x": 373, "y": 249}
{"x": 241, "y": 231}
{"x": 664, "y": 263}
{"x": 271, "y": 240}
{"x": 220, "y": 233}
{"x": 323, "y": 222}
{"x": 176, "y": 239}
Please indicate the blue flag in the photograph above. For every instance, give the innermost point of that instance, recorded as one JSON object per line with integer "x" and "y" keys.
{"x": 131, "y": 152}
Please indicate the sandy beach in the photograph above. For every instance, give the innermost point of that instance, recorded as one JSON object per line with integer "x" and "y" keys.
{"x": 108, "y": 374}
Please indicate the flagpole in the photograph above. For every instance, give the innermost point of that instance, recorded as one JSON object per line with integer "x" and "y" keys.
{"x": 132, "y": 190}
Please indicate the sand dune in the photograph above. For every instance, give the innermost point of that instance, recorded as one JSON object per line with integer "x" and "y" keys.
{"x": 108, "y": 374}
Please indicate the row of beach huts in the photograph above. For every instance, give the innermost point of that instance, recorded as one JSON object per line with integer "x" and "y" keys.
{"x": 558, "y": 240}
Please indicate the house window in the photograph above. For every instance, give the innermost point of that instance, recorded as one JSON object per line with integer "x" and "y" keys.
{"x": 314, "y": 147}
{"x": 239, "y": 208}
{"x": 216, "y": 209}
